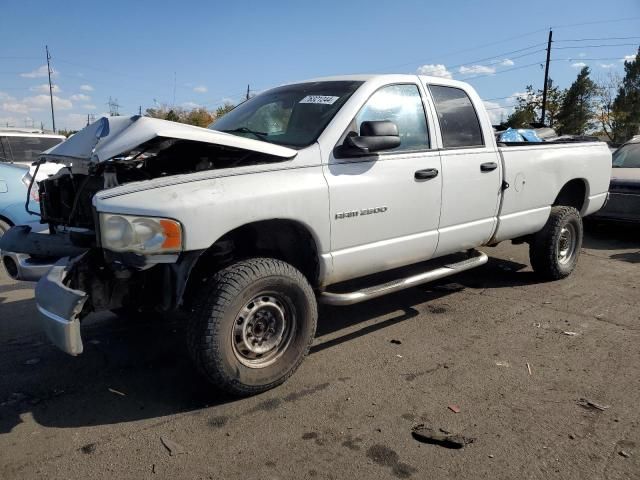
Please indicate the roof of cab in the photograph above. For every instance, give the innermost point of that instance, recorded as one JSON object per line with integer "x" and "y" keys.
{"x": 17, "y": 133}
{"x": 392, "y": 77}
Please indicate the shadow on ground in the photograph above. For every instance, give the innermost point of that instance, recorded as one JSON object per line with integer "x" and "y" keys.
{"x": 613, "y": 236}
{"x": 139, "y": 369}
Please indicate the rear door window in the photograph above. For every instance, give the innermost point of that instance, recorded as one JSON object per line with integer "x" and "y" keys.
{"x": 458, "y": 118}
{"x": 25, "y": 149}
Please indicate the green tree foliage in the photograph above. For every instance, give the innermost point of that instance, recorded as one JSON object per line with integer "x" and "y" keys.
{"x": 172, "y": 116}
{"x": 626, "y": 106}
{"x": 525, "y": 111}
{"x": 529, "y": 107}
{"x": 226, "y": 108}
{"x": 577, "y": 112}
{"x": 198, "y": 116}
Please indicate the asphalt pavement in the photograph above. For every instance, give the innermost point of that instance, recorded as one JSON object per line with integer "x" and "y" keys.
{"x": 545, "y": 379}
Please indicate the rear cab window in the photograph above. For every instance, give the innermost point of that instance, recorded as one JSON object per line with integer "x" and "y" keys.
{"x": 459, "y": 123}
{"x": 24, "y": 149}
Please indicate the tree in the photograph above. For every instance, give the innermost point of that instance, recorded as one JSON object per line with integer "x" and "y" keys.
{"x": 577, "y": 111}
{"x": 555, "y": 96}
{"x": 226, "y": 108}
{"x": 529, "y": 107}
{"x": 605, "y": 115}
{"x": 172, "y": 116}
{"x": 626, "y": 106}
{"x": 525, "y": 111}
{"x": 199, "y": 117}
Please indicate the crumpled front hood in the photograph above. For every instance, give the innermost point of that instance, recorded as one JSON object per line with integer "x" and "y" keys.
{"x": 110, "y": 137}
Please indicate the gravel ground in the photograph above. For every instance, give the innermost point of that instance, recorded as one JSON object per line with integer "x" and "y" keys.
{"x": 348, "y": 412}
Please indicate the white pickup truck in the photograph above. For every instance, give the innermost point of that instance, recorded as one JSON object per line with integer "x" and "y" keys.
{"x": 306, "y": 192}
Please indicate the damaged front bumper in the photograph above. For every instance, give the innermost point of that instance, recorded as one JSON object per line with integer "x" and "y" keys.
{"x": 59, "y": 307}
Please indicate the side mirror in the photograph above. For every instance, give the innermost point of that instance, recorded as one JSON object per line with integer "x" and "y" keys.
{"x": 374, "y": 136}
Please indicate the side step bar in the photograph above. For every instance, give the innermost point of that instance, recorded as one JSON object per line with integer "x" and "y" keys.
{"x": 477, "y": 259}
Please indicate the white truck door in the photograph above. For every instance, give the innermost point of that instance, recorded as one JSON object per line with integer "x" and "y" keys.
{"x": 471, "y": 172}
{"x": 385, "y": 207}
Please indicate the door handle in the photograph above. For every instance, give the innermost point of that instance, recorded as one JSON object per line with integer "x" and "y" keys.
{"x": 426, "y": 174}
{"x": 489, "y": 166}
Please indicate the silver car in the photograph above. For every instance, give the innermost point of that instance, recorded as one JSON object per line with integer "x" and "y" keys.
{"x": 624, "y": 189}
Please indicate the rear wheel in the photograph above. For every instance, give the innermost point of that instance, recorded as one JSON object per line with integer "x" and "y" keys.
{"x": 555, "y": 249}
{"x": 252, "y": 325}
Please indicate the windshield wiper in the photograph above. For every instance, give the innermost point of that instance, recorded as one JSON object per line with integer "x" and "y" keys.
{"x": 260, "y": 135}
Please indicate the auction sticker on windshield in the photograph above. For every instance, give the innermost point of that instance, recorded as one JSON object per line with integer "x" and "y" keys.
{"x": 319, "y": 99}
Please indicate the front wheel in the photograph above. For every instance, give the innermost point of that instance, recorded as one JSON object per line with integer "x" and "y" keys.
{"x": 555, "y": 249}
{"x": 252, "y": 325}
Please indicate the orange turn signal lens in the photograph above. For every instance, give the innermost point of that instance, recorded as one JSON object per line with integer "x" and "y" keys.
{"x": 172, "y": 233}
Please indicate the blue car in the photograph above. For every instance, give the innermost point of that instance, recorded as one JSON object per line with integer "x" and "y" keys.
{"x": 14, "y": 183}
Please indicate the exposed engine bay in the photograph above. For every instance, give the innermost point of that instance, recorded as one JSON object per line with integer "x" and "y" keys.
{"x": 66, "y": 198}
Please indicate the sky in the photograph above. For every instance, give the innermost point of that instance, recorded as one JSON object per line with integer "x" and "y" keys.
{"x": 145, "y": 54}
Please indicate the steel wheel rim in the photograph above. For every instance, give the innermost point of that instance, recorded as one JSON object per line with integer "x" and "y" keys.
{"x": 567, "y": 243}
{"x": 262, "y": 330}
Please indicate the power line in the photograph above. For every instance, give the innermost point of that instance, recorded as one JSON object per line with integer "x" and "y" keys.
{"x": 596, "y": 22}
{"x": 598, "y": 46}
{"x": 596, "y": 39}
{"x": 505, "y": 70}
{"x": 501, "y": 55}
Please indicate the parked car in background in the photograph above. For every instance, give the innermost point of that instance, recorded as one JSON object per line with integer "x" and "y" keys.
{"x": 624, "y": 189}
{"x": 23, "y": 146}
{"x": 14, "y": 182}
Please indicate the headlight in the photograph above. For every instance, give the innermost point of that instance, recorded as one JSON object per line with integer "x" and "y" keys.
{"x": 147, "y": 235}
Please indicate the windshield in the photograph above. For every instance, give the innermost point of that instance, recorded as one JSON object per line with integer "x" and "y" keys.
{"x": 627, "y": 156}
{"x": 24, "y": 149}
{"x": 293, "y": 115}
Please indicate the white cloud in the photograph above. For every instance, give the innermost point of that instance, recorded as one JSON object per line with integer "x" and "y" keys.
{"x": 517, "y": 96}
{"x": 628, "y": 58}
{"x": 39, "y": 72}
{"x": 579, "y": 65}
{"x": 74, "y": 121}
{"x": 86, "y": 88}
{"x": 89, "y": 106}
{"x": 497, "y": 112}
{"x": 13, "y": 106}
{"x": 435, "y": 70}
{"x": 507, "y": 62}
{"x": 477, "y": 69}
{"x": 607, "y": 65}
{"x": 191, "y": 105}
{"x": 200, "y": 89}
{"x": 80, "y": 97}
{"x": 44, "y": 88}
{"x": 33, "y": 104}
{"x": 39, "y": 102}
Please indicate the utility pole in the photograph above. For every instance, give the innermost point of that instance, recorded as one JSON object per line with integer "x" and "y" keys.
{"x": 174, "y": 89}
{"x": 113, "y": 107}
{"x": 53, "y": 117}
{"x": 546, "y": 78}
{"x": 248, "y": 90}
{"x": 140, "y": 110}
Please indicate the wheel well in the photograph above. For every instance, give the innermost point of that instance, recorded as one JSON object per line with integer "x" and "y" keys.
{"x": 573, "y": 194}
{"x": 285, "y": 240}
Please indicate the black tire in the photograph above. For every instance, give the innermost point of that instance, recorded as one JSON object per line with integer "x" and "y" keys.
{"x": 229, "y": 308}
{"x": 4, "y": 226}
{"x": 555, "y": 249}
